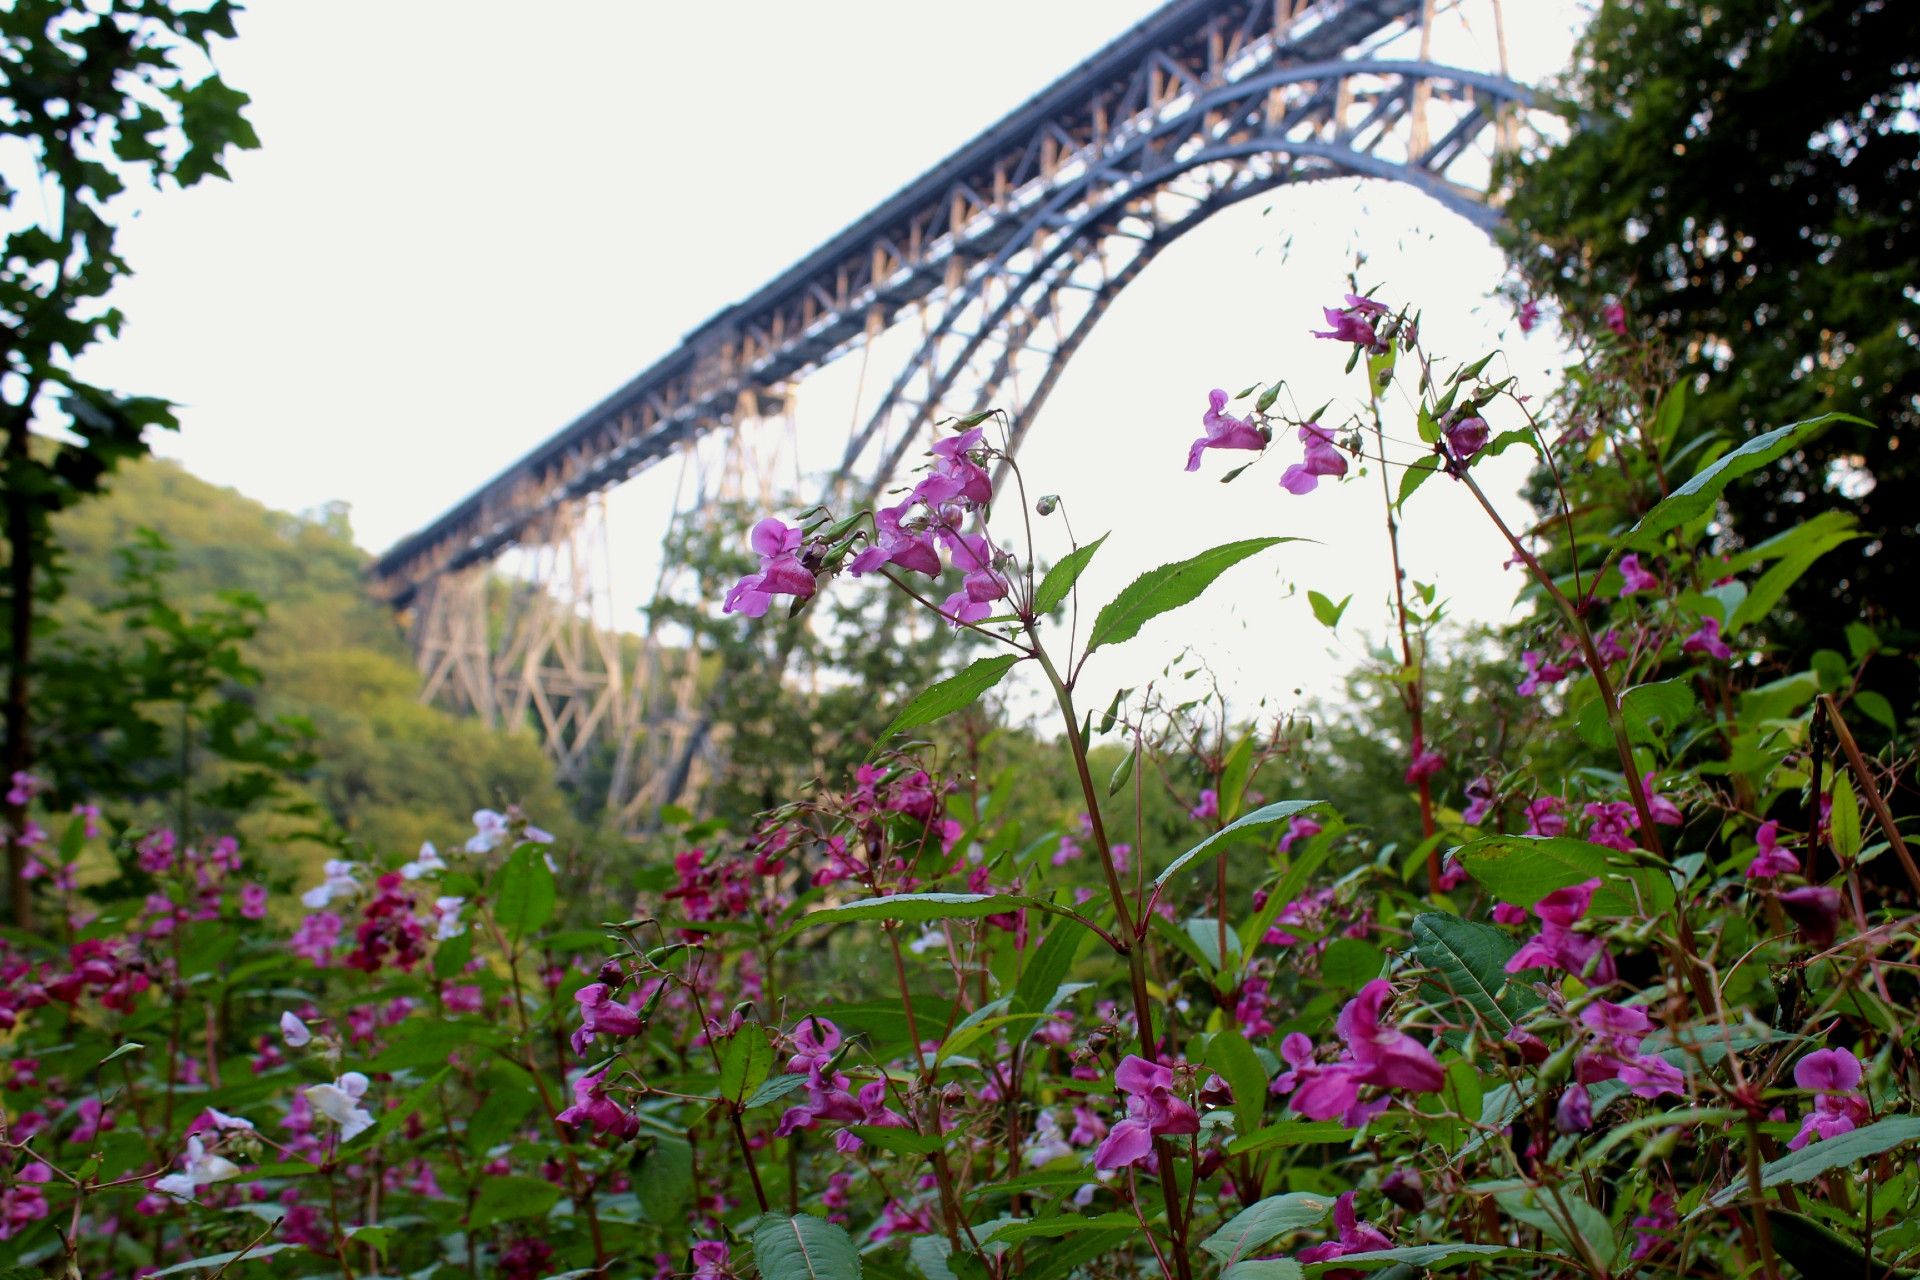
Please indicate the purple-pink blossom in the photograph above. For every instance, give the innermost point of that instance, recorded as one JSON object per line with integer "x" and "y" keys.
{"x": 1354, "y": 323}
{"x": 1423, "y": 765}
{"x": 1773, "y": 859}
{"x": 602, "y": 1015}
{"x": 1467, "y": 437}
{"x": 1374, "y": 1054}
{"x": 1355, "y": 1236}
{"x": 1557, "y": 945}
{"x": 1153, "y": 1110}
{"x": 1544, "y": 817}
{"x": 1224, "y": 431}
{"x": 895, "y": 544}
{"x": 1834, "y": 1074}
{"x": 1635, "y": 579}
{"x": 1615, "y": 315}
{"x": 1529, "y": 315}
{"x": 1320, "y": 459}
{"x": 1611, "y": 824}
{"x": 1815, "y": 908}
{"x": 781, "y": 573}
{"x": 1706, "y": 639}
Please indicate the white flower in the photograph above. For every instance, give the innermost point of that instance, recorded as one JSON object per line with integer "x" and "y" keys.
{"x": 293, "y": 1031}
{"x": 221, "y": 1120}
{"x": 427, "y": 863}
{"x": 489, "y": 830}
{"x": 929, "y": 940}
{"x": 1048, "y": 1143}
{"x": 201, "y": 1169}
{"x": 339, "y": 883}
{"x": 447, "y": 912}
{"x": 340, "y": 1103}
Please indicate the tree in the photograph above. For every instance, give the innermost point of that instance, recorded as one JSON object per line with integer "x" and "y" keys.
{"x": 96, "y": 98}
{"x": 1743, "y": 176}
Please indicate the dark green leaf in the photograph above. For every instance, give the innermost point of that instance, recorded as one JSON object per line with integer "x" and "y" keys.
{"x": 511, "y": 1197}
{"x": 1229, "y": 1054}
{"x": 1819, "y": 1157}
{"x": 1265, "y": 816}
{"x": 1261, "y": 1221}
{"x": 1696, "y": 497}
{"x": 1469, "y": 960}
{"x": 1054, "y": 588}
{"x": 1164, "y": 589}
{"x": 955, "y": 693}
{"x": 524, "y": 897}
{"x": 1524, "y": 869}
{"x": 803, "y": 1247}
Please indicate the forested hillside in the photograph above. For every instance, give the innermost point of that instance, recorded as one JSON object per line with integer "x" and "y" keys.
{"x": 387, "y": 770}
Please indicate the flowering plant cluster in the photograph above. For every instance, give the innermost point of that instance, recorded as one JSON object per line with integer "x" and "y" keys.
{"x": 1628, "y": 999}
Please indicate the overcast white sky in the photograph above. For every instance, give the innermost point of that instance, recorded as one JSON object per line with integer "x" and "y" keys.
{"x": 471, "y": 220}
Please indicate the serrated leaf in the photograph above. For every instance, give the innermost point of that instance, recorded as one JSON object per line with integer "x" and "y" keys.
{"x": 1524, "y": 869}
{"x": 1416, "y": 474}
{"x": 745, "y": 1062}
{"x": 1696, "y": 497}
{"x": 803, "y": 1247}
{"x": 1471, "y": 961}
{"x": 1166, "y": 588}
{"x": 916, "y": 908}
{"x": 776, "y": 1088}
{"x": 1351, "y": 963}
{"x": 1291, "y": 1133}
{"x": 1048, "y": 968}
{"x": 1265, "y": 816}
{"x": 1264, "y": 1269}
{"x": 1819, "y": 1157}
{"x": 1421, "y": 1257}
{"x": 902, "y": 1142}
{"x": 1063, "y": 1225}
{"x": 1229, "y": 1054}
{"x": 205, "y": 1266}
{"x": 1261, "y": 1221}
{"x": 524, "y": 898}
{"x": 1058, "y": 584}
{"x": 1650, "y": 713}
{"x": 955, "y": 693}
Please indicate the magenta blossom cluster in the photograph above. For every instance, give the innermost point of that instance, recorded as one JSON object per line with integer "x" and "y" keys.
{"x": 1372, "y": 1053}
{"x": 1834, "y": 1075}
{"x": 1154, "y": 1110}
{"x": 828, "y": 1091}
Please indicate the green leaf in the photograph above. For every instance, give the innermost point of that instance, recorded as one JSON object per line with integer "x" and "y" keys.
{"x": 776, "y": 1088}
{"x": 916, "y": 908}
{"x": 1844, "y": 826}
{"x": 1524, "y": 869}
{"x": 1696, "y": 497}
{"x": 1291, "y": 1133}
{"x": 1064, "y": 1225}
{"x": 1470, "y": 961}
{"x": 205, "y": 1266}
{"x": 1233, "y": 1058}
{"x": 1326, "y": 611}
{"x": 955, "y": 693}
{"x": 745, "y": 1063}
{"x": 1351, "y": 963}
{"x": 1588, "y": 1222}
{"x": 1265, "y": 816}
{"x": 1234, "y": 773}
{"x": 524, "y": 897}
{"x": 1416, "y": 474}
{"x": 131, "y": 1046}
{"x": 1123, "y": 770}
{"x": 902, "y": 1142}
{"x": 512, "y": 1197}
{"x": 1264, "y": 1269}
{"x": 1819, "y": 1157}
{"x": 1048, "y": 968}
{"x": 1054, "y": 588}
{"x": 803, "y": 1247}
{"x": 1650, "y": 712}
{"x": 664, "y": 1179}
{"x": 1816, "y": 1249}
{"x": 1162, "y": 590}
{"x": 1876, "y": 708}
{"x": 1423, "y": 1257}
{"x": 1261, "y": 1221}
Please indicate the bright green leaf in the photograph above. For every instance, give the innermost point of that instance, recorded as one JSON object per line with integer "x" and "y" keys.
{"x": 1164, "y": 589}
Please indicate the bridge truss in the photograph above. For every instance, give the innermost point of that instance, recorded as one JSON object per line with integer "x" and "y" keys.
{"x": 997, "y": 263}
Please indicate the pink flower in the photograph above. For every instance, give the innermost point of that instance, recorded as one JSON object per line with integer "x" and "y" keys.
{"x": 1529, "y": 315}
{"x": 710, "y": 1260}
{"x": 1467, "y": 437}
{"x": 1544, "y": 817}
{"x": 1636, "y": 578}
{"x": 1354, "y": 323}
{"x": 1663, "y": 811}
{"x": 1772, "y": 860}
{"x": 1835, "y": 1075}
{"x": 1612, "y": 824}
{"x": 316, "y": 937}
{"x": 1299, "y": 828}
{"x": 893, "y": 544}
{"x": 1452, "y": 875}
{"x": 1153, "y": 1110}
{"x": 1707, "y": 640}
{"x": 1541, "y": 674}
{"x": 1608, "y": 648}
{"x": 1425, "y": 763}
{"x": 1320, "y": 459}
{"x": 781, "y": 573}
{"x": 1480, "y": 797}
{"x": 1207, "y": 807}
{"x": 1574, "y": 1112}
{"x": 1388, "y": 1057}
{"x": 955, "y": 476}
{"x": 1557, "y": 946}
{"x": 25, "y": 787}
{"x": 592, "y": 1108}
{"x": 253, "y": 901}
{"x": 1507, "y": 913}
{"x": 1653, "y": 1230}
{"x": 601, "y": 1015}
{"x": 1816, "y": 910}
{"x": 1224, "y": 431}
{"x": 1615, "y": 315}
{"x": 1355, "y": 1236}
{"x": 973, "y": 554}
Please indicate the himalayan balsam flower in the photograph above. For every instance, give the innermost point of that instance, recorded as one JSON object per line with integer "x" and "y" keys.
{"x": 1557, "y": 946}
{"x": 1374, "y": 1054}
{"x": 199, "y": 1168}
{"x": 601, "y": 1015}
{"x": 295, "y": 1032}
{"x": 1425, "y": 763}
{"x": 1467, "y": 437}
{"x": 1320, "y": 459}
{"x": 1816, "y": 909}
{"x": 428, "y": 862}
{"x": 1529, "y": 315}
{"x": 1664, "y": 811}
{"x": 592, "y": 1108}
{"x": 1224, "y": 431}
{"x": 340, "y": 1103}
{"x": 1544, "y": 817}
{"x": 1298, "y": 829}
{"x": 781, "y": 573}
{"x": 1153, "y": 1110}
{"x": 1480, "y": 797}
{"x": 1834, "y": 1074}
{"x": 1612, "y": 824}
{"x": 1207, "y": 807}
{"x": 1772, "y": 859}
{"x": 1707, "y": 640}
{"x": 1354, "y": 323}
{"x": 1355, "y": 1236}
{"x": 894, "y": 544}
{"x": 1635, "y": 579}
{"x": 1615, "y": 315}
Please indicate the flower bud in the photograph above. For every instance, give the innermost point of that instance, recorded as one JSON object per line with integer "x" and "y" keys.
{"x": 1046, "y": 504}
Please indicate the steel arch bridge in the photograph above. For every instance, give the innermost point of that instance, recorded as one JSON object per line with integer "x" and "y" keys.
{"x": 996, "y": 264}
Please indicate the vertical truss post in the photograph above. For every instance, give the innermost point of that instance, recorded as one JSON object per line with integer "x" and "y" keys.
{"x": 450, "y": 645}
